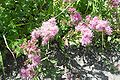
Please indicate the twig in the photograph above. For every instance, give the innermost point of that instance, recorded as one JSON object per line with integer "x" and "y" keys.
{"x": 9, "y": 49}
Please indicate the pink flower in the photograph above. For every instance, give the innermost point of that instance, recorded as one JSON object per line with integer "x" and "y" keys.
{"x": 108, "y": 30}
{"x": 35, "y": 60}
{"x": 52, "y": 21}
{"x": 115, "y": 3}
{"x": 22, "y": 46}
{"x": 30, "y": 66}
{"x": 35, "y": 34}
{"x": 95, "y": 18}
{"x": 48, "y": 30}
{"x": 88, "y": 18}
{"x": 80, "y": 26}
{"x": 93, "y": 23}
{"x": 31, "y": 46}
{"x": 101, "y": 25}
{"x": 77, "y": 28}
{"x": 86, "y": 36}
{"x": 30, "y": 56}
{"x": 86, "y": 33}
{"x": 45, "y": 40}
{"x": 76, "y": 17}
{"x": 86, "y": 40}
{"x": 26, "y": 73}
{"x": 71, "y": 10}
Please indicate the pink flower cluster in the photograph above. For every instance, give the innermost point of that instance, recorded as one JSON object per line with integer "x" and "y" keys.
{"x": 74, "y": 15}
{"x": 28, "y": 71}
{"x": 92, "y": 24}
{"x": 86, "y": 33}
{"x": 30, "y": 46}
{"x": 47, "y": 31}
{"x": 115, "y": 3}
{"x": 100, "y": 25}
{"x": 33, "y": 59}
{"x": 86, "y": 27}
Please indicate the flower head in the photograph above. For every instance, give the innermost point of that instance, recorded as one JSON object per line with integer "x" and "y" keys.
{"x": 86, "y": 33}
{"x": 88, "y": 18}
{"x": 76, "y": 17}
{"x": 71, "y": 10}
{"x": 115, "y": 3}
{"x": 93, "y": 23}
{"x": 35, "y": 60}
{"x": 35, "y": 34}
{"x": 108, "y": 30}
{"x": 26, "y": 73}
{"x": 86, "y": 40}
{"x": 48, "y": 30}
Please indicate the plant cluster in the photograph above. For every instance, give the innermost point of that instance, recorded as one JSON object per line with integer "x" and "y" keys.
{"x": 46, "y": 37}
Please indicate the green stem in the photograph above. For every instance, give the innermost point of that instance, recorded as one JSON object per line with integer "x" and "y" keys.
{"x": 102, "y": 41}
{"x": 1, "y": 60}
{"x": 64, "y": 10}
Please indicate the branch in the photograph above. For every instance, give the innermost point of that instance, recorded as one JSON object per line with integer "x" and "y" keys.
{"x": 9, "y": 49}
